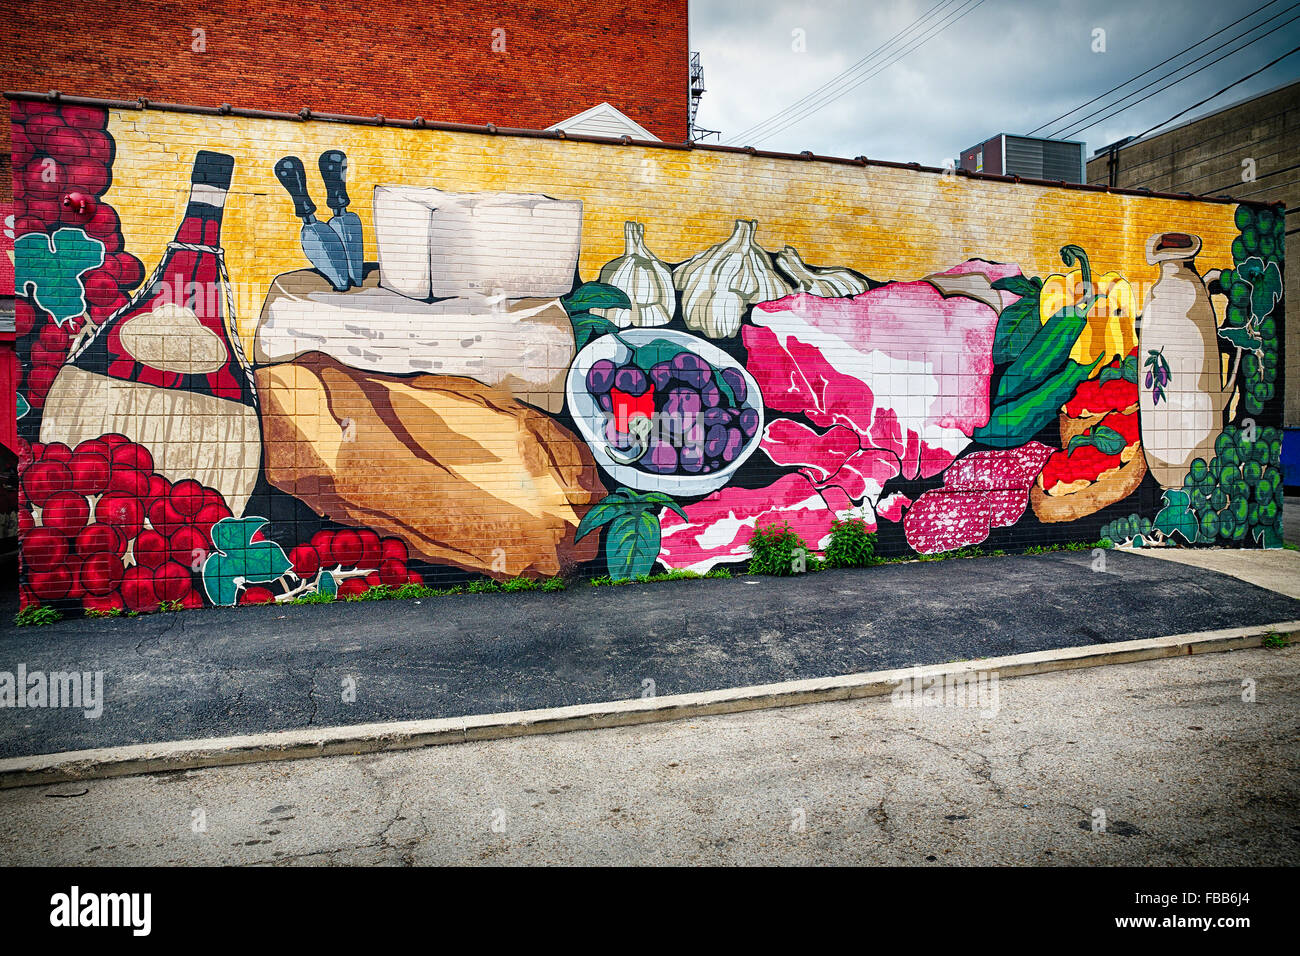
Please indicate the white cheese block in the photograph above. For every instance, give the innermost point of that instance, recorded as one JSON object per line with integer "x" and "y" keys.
{"x": 524, "y": 346}
{"x": 439, "y": 244}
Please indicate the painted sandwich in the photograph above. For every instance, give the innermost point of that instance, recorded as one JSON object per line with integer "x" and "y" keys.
{"x": 1101, "y": 461}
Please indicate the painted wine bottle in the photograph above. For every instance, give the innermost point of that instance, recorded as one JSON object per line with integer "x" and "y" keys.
{"x": 167, "y": 370}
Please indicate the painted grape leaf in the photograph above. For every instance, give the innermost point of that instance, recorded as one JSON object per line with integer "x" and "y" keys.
{"x": 1177, "y": 516}
{"x": 238, "y": 559}
{"x": 632, "y": 544}
{"x": 23, "y": 407}
{"x": 326, "y": 583}
{"x": 587, "y": 326}
{"x": 1243, "y": 337}
{"x": 1265, "y": 283}
{"x": 53, "y": 266}
{"x": 595, "y": 295}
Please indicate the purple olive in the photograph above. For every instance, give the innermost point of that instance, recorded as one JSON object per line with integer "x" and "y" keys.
{"x": 735, "y": 442}
{"x": 600, "y": 377}
{"x": 661, "y": 374}
{"x": 749, "y": 422}
{"x": 661, "y": 459}
{"x": 736, "y": 381}
{"x": 691, "y": 369}
{"x": 715, "y": 440}
{"x": 711, "y": 395}
{"x": 691, "y": 459}
{"x": 717, "y": 416}
{"x": 631, "y": 380}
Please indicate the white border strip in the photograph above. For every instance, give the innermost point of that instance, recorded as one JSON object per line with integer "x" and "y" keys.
{"x": 409, "y": 734}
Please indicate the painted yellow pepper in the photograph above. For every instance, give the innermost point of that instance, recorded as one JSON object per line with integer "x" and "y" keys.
{"x": 1109, "y": 331}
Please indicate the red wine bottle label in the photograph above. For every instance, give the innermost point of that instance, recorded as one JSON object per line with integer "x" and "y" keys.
{"x": 179, "y": 330}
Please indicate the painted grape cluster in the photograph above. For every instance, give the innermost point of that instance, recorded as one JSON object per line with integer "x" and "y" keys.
{"x": 1252, "y": 288}
{"x": 1239, "y": 491}
{"x": 100, "y": 525}
{"x": 356, "y": 560}
{"x": 58, "y": 151}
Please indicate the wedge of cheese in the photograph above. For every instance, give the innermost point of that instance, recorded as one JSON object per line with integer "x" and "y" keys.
{"x": 524, "y": 346}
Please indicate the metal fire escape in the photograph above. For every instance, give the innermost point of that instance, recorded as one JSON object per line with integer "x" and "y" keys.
{"x": 696, "y": 133}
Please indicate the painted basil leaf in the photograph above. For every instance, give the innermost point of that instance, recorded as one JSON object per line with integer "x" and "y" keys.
{"x": 632, "y": 544}
{"x": 595, "y": 295}
{"x": 587, "y": 327}
{"x": 1103, "y": 438}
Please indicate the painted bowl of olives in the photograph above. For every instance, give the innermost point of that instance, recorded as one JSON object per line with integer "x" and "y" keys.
{"x": 664, "y": 411}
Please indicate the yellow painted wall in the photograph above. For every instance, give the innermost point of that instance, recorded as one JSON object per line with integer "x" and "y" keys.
{"x": 886, "y": 223}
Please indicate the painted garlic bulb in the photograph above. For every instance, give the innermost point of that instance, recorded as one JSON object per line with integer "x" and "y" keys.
{"x": 720, "y": 283}
{"x": 823, "y": 282}
{"x": 646, "y": 281}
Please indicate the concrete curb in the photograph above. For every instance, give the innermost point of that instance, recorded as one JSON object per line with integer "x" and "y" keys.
{"x": 137, "y": 759}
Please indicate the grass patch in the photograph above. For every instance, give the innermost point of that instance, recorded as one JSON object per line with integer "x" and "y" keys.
{"x": 520, "y": 583}
{"x": 553, "y": 584}
{"x": 1275, "y": 641}
{"x": 32, "y": 616}
{"x": 482, "y": 586}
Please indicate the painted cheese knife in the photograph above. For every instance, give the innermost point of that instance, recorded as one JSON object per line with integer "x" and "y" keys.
{"x": 321, "y": 244}
{"x": 334, "y": 171}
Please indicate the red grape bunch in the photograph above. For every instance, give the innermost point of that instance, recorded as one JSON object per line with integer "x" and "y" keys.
{"x": 58, "y": 151}
{"x": 358, "y": 560}
{"x": 99, "y": 525}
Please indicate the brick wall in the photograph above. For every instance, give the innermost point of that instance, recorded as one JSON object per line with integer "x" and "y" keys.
{"x": 401, "y": 58}
{"x": 527, "y": 358}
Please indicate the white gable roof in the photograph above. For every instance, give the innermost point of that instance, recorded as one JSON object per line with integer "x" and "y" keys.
{"x": 604, "y": 120}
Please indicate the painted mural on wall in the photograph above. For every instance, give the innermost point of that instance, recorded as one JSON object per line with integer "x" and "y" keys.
{"x": 468, "y": 402}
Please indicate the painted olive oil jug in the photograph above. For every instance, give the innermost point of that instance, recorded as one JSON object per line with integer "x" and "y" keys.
{"x": 1181, "y": 395}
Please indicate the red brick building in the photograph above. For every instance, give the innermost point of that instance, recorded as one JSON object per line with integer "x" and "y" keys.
{"x": 520, "y": 63}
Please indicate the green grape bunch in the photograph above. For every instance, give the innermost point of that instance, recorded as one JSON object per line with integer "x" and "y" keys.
{"x": 1254, "y": 290}
{"x": 1134, "y": 531}
{"x": 1238, "y": 494}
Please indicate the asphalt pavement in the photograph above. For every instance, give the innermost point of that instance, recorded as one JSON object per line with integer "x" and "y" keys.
{"x": 1160, "y": 763}
{"x": 219, "y": 672}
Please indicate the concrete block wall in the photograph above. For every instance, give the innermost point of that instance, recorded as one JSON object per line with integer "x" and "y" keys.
{"x": 504, "y": 356}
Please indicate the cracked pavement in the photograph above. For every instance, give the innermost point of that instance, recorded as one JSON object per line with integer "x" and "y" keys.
{"x": 220, "y": 672}
{"x": 1181, "y": 769}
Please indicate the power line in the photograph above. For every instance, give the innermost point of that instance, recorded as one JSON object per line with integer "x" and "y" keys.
{"x": 941, "y": 27}
{"x": 1078, "y": 126}
{"x": 1276, "y": 172}
{"x": 1187, "y": 182}
{"x": 1209, "y": 139}
{"x": 1294, "y": 50}
{"x": 1052, "y": 122}
{"x": 1256, "y": 192}
{"x": 840, "y": 76}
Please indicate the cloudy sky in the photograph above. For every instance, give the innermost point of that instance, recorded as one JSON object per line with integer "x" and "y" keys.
{"x": 1004, "y": 66}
